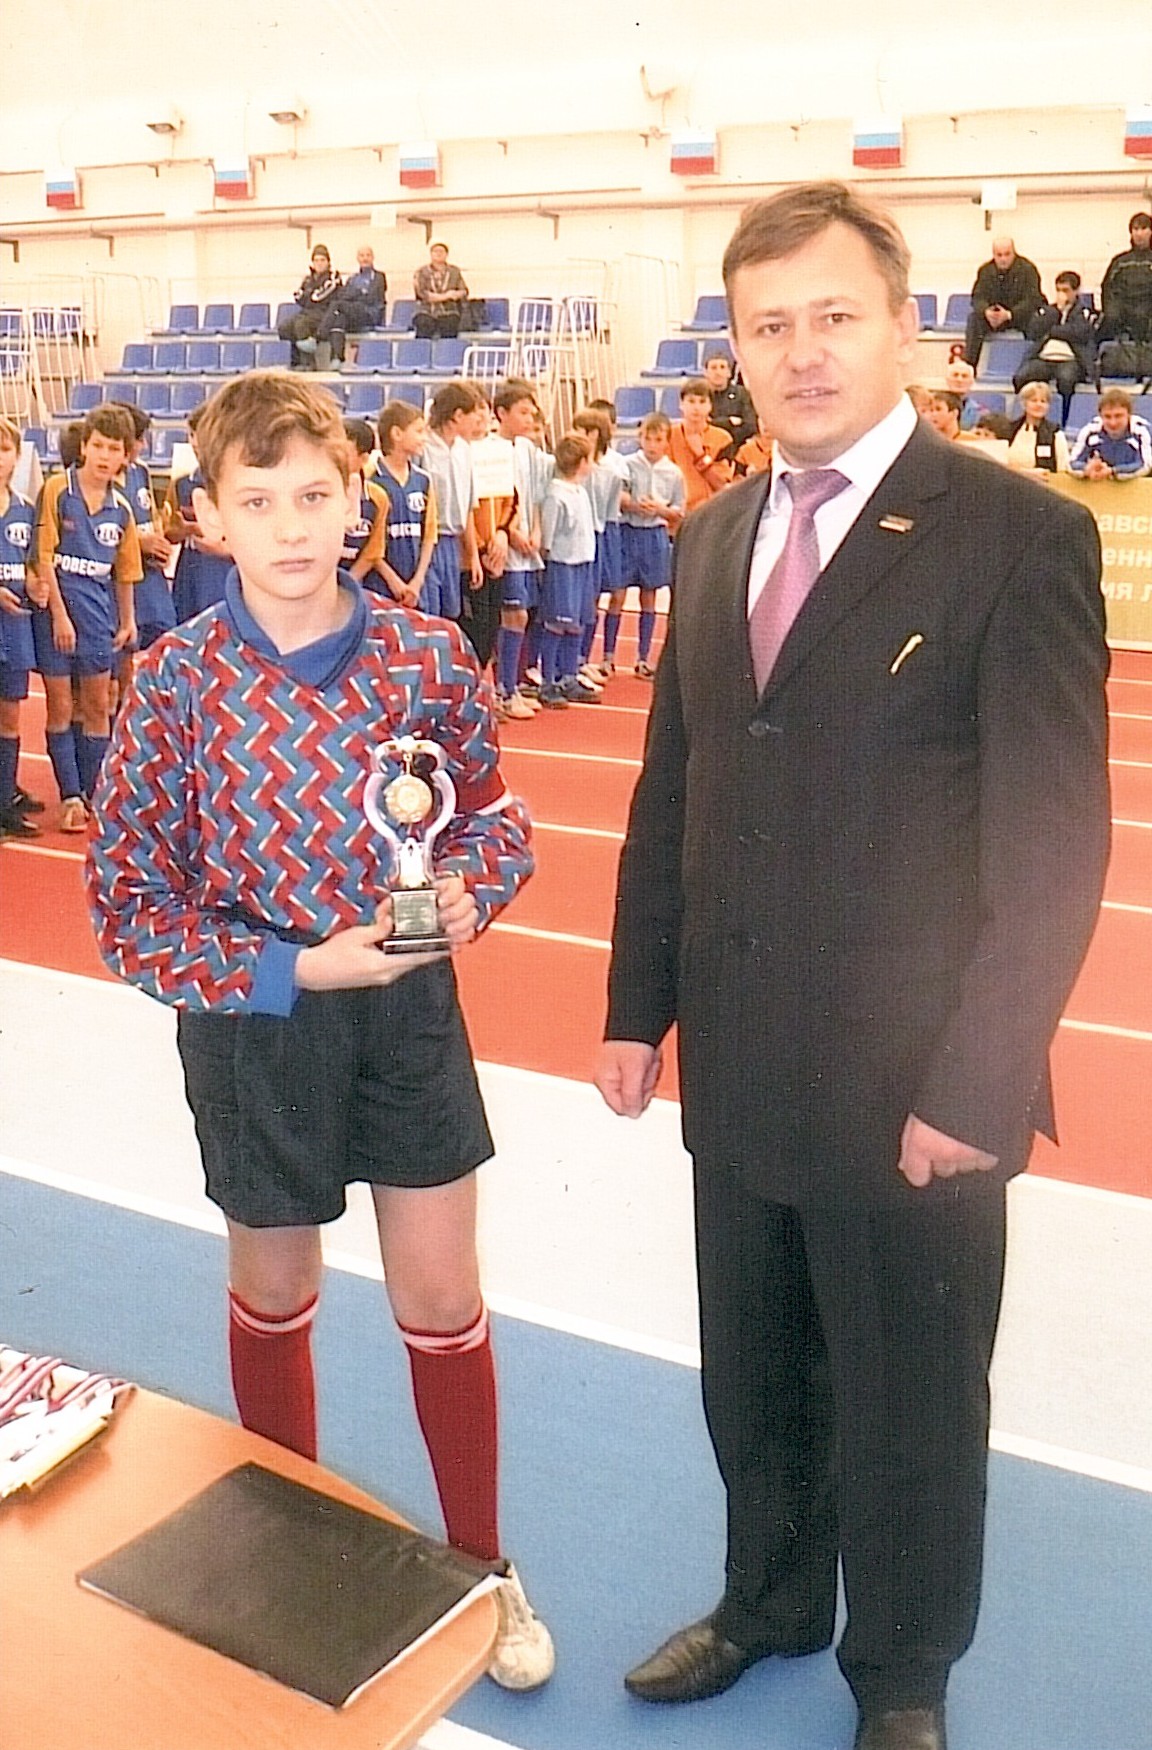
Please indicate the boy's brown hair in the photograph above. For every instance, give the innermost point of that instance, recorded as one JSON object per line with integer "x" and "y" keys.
{"x": 1115, "y": 398}
{"x": 70, "y": 440}
{"x": 699, "y": 387}
{"x": 455, "y": 397}
{"x": 772, "y": 228}
{"x": 597, "y": 424}
{"x": 111, "y": 421}
{"x": 656, "y": 422}
{"x": 141, "y": 421}
{"x": 571, "y": 450}
{"x": 258, "y": 415}
{"x": 10, "y": 431}
{"x": 396, "y": 416}
{"x": 511, "y": 393}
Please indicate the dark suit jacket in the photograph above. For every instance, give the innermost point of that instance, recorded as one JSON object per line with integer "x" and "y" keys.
{"x": 869, "y": 891}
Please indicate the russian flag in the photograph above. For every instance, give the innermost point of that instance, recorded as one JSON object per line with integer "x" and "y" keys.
{"x": 694, "y": 153}
{"x": 420, "y": 164}
{"x": 232, "y": 179}
{"x": 878, "y": 145}
{"x": 1138, "y": 132}
{"x": 62, "y": 190}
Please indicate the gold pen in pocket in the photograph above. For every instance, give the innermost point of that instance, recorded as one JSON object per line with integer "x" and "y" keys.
{"x": 912, "y": 644}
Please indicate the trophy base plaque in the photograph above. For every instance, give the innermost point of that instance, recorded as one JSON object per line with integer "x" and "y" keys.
{"x": 415, "y": 923}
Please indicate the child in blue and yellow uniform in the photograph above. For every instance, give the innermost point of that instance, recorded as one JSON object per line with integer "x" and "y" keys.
{"x": 203, "y": 566}
{"x": 233, "y": 875}
{"x": 17, "y": 651}
{"x": 367, "y": 528}
{"x": 87, "y": 551}
{"x": 413, "y": 526}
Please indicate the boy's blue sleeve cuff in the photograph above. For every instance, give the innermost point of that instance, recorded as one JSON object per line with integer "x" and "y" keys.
{"x": 274, "y": 988}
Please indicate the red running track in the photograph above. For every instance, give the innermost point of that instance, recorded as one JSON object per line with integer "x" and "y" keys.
{"x": 534, "y": 986}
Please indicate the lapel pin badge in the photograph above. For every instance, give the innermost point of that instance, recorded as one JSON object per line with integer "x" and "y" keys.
{"x": 899, "y": 525}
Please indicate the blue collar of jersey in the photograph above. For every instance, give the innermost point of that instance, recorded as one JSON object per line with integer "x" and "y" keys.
{"x": 315, "y": 665}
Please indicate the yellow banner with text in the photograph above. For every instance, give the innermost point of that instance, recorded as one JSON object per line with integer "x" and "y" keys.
{"x": 1123, "y": 512}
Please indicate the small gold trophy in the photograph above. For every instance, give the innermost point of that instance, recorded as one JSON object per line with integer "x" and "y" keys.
{"x": 410, "y": 799}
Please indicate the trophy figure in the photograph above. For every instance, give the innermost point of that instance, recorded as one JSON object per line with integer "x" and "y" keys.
{"x": 410, "y": 799}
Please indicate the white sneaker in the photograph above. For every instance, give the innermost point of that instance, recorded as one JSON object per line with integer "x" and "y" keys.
{"x": 528, "y": 699}
{"x": 534, "y": 675}
{"x": 592, "y": 672}
{"x": 517, "y": 708}
{"x": 523, "y": 1657}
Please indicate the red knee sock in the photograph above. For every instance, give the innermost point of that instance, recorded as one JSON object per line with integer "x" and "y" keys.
{"x": 272, "y": 1377}
{"x": 455, "y": 1388}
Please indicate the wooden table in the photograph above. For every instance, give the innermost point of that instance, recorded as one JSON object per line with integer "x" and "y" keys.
{"x": 78, "y": 1672}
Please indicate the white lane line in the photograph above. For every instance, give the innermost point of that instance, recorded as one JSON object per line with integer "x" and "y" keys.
{"x": 594, "y": 759}
{"x": 1145, "y": 824}
{"x": 583, "y": 832}
{"x": 1132, "y": 716}
{"x": 1119, "y": 905}
{"x": 1140, "y": 765}
{"x": 1102, "y": 1027}
{"x": 551, "y": 936}
{"x": 1105, "y": 1470}
{"x": 33, "y": 850}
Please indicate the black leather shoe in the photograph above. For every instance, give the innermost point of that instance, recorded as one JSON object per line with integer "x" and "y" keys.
{"x": 693, "y": 1664}
{"x": 909, "y": 1728}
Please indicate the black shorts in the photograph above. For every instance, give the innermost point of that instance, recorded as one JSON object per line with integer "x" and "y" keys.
{"x": 374, "y": 1085}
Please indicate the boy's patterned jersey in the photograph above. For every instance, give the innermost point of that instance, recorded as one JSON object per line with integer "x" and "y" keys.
{"x": 411, "y": 511}
{"x": 230, "y": 806}
{"x": 16, "y": 542}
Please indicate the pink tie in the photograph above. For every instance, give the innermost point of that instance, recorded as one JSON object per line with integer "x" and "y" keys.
{"x": 791, "y": 578}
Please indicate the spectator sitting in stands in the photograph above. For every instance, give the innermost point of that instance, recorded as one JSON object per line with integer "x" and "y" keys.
{"x": 361, "y": 302}
{"x": 317, "y": 314}
{"x": 959, "y": 378}
{"x": 1034, "y": 440}
{"x": 944, "y": 411}
{"x": 440, "y": 292}
{"x": 1006, "y": 294}
{"x": 1062, "y": 343}
{"x": 1116, "y": 445}
{"x": 1126, "y": 290}
{"x": 732, "y": 408}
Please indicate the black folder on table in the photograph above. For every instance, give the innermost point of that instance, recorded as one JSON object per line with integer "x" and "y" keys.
{"x": 319, "y": 1595}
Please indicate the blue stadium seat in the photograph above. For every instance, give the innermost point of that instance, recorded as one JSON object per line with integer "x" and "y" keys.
{"x": 236, "y": 356}
{"x": 400, "y": 320}
{"x": 84, "y": 396}
{"x": 447, "y": 357}
{"x": 988, "y": 400}
{"x": 675, "y": 358}
{"x": 365, "y": 399}
{"x": 282, "y": 312}
{"x": 202, "y": 356}
{"x": 137, "y": 357}
{"x": 720, "y": 344}
{"x": 164, "y": 440}
{"x": 633, "y": 404}
{"x": 498, "y": 313}
{"x": 371, "y": 355}
{"x": 669, "y": 401}
{"x": 928, "y": 307}
{"x": 629, "y": 443}
{"x": 415, "y": 393}
{"x": 11, "y": 323}
{"x": 254, "y": 319}
{"x": 535, "y": 316}
{"x": 183, "y": 319}
{"x": 411, "y": 355}
{"x": 121, "y": 389}
{"x": 711, "y": 315}
{"x": 188, "y": 394}
{"x": 217, "y": 319}
{"x": 155, "y": 397}
{"x": 273, "y": 355}
{"x": 37, "y": 436}
{"x": 956, "y": 312}
{"x": 169, "y": 356}
{"x": 1082, "y": 409}
{"x": 1000, "y": 359}
{"x": 1142, "y": 404}
{"x": 53, "y": 443}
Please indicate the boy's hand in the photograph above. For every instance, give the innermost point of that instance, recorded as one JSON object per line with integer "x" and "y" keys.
{"x": 10, "y": 603}
{"x": 156, "y": 546}
{"x": 351, "y": 959}
{"x": 456, "y": 910}
{"x": 405, "y": 593}
{"x": 37, "y": 588}
{"x": 63, "y": 633}
{"x": 125, "y": 634}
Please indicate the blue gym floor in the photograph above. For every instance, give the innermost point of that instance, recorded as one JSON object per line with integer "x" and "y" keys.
{"x": 611, "y": 1504}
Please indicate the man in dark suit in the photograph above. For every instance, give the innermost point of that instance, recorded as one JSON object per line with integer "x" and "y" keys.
{"x": 863, "y": 864}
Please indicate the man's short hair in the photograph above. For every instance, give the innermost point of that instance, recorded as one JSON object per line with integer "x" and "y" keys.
{"x": 10, "y": 430}
{"x": 259, "y": 414}
{"x": 510, "y": 394}
{"x": 1115, "y": 398}
{"x": 571, "y": 450}
{"x": 433, "y": 246}
{"x": 656, "y": 422}
{"x": 718, "y": 352}
{"x": 453, "y": 398}
{"x": 1140, "y": 222}
{"x": 601, "y": 404}
{"x": 778, "y": 226}
{"x": 700, "y": 387}
{"x": 1069, "y": 277}
{"x": 111, "y": 421}
{"x": 321, "y": 249}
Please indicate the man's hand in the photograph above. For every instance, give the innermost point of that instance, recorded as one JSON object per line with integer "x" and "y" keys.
{"x": 626, "y": 1074}
{"x": 1097, "y": 469}
{"x": 996, "y": 315}
{"x": 927, "y": 1154}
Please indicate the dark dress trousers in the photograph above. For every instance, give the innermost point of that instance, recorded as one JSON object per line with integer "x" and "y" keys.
{"x": 865, "y": 893}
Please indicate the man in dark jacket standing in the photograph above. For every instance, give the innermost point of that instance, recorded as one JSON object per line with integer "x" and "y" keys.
{"x": 1006, "y": 294}
{"x": 863, "y": 864}
{"x": 1126, "y": 289}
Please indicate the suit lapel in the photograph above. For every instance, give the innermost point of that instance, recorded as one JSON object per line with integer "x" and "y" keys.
{"x": 902, "y": 512}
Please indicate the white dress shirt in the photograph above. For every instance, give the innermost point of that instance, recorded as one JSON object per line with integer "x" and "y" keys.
{"x": 864, "y": 464}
